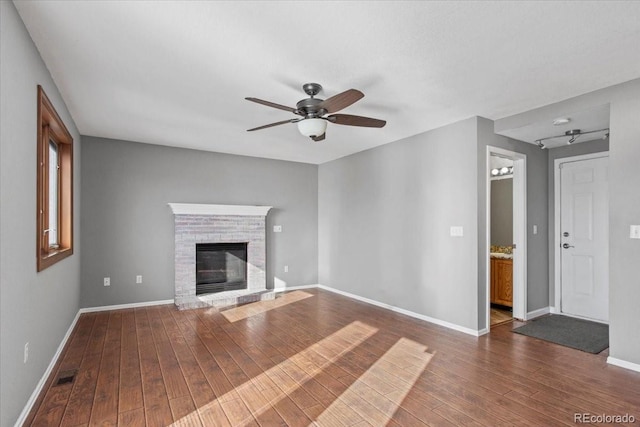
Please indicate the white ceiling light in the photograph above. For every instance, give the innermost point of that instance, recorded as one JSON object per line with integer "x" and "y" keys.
{"x": 505, "y": 170}
{"x": 561, "y": 121}
{"x": 312, "y": 127}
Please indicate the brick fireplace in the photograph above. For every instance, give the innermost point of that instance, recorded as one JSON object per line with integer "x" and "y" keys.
{"x": 208, "y": 224}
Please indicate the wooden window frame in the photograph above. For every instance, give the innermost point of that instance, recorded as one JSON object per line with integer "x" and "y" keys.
{"x": 52, "y": 128}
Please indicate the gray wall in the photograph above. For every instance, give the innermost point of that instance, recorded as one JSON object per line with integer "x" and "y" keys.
{"x": 34, "y": 307}
{"x": 624, "y": 210}
{"x": 502, "y": 212}
{"x": 384, "y": 220}
{"x": 128, "y": 227}
{"x": 587, "y": 147}
{"x": 537, "y": 244}
{"x": 624, "y": 204}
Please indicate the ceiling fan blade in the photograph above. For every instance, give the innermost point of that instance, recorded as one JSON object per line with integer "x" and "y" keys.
{"x": 273, "y": 105}
{"x": 318, "y": 138}
{"x": 273, "y": 124}
{"x": 349, "y": 120}
{"x": 341, "y": 100}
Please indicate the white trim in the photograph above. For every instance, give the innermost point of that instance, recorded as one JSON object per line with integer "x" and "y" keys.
{"x": 43, "y": 380}
{"x": 295, "y": 288}
{"x": 198, "y": 209}
{"x": 482, "y": 332}
{"x": 557, "y": 282}
{"x": 469, "y": 331}
{"x": 537, "y": 313}
{"x": 519, "y": 234}
{"x": 389, "y": 307}
{"x": 623, "y": 364}
{"x": 123, "y": 306}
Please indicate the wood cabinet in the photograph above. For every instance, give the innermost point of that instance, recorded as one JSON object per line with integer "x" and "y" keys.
{"x": 502, "y": 281}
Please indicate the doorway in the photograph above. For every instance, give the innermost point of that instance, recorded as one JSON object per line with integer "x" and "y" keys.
{"x": 582, "y": 236}
{"x": 506, "y": 263}
{"x": 501, "y": 249}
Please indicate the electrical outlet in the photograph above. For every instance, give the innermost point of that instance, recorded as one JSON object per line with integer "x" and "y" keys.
{"x": 107, "y": 281}
{"x": 634, "y": 232}
{"x": 286, "y": 268}
{"x": 26, "y": 352}
{"x": 456, "y": 231}
{"x": 139, "y": 279}
{"x": 277, "y": 229}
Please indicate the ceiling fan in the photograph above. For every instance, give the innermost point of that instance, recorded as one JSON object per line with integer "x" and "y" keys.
{"x": 314, "y": 112}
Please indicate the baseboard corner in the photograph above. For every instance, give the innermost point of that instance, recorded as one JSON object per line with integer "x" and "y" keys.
{"x": 482, "y": 332}
{"x": 433, "y": 320}
{"x": 623, "y": 364}
{"x": 537, "y": 313}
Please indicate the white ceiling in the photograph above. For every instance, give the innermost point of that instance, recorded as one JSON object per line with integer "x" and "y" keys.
{"x": 176, "y": 73}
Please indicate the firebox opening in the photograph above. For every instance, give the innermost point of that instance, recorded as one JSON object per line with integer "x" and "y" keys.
{"x": 221, "y": 267}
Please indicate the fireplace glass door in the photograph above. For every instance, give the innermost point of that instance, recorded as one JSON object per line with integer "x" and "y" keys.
{"x": 220, "y": 267}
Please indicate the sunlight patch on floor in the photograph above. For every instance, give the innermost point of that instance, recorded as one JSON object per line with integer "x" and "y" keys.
{"x": 264, "y": 391}
{"x": 398, "y": 369}
{"x": 248, "y": 310}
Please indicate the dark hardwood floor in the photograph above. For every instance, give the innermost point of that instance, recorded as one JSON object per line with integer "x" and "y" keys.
{"x": 316, "y": 357}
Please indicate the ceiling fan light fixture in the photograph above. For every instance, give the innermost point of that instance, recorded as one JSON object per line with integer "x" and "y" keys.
{"x": 312, "y": 127}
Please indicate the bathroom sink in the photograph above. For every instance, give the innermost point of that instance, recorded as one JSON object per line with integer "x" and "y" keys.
{"x": 501, "y": 255}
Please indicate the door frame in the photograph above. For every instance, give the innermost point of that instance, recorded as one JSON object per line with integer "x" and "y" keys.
{"x": 557, "y": 267}
{"x": 519, "y": 232}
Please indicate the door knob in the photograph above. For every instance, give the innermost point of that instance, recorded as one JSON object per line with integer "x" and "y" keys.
{"x": 567, "y": 246}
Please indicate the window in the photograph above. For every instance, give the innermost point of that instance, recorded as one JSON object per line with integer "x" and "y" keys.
{"x": 55, "y": 186}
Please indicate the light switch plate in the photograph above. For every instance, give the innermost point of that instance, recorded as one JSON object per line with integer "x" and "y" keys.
{"x": 535, "y": 229}
{"x": 456, "y": 231}
{"x": 634, "y": 232}
{"x": 277, "y": 229}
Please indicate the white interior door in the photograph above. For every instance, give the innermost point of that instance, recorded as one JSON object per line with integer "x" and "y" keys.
{"x": 584, "y": 241}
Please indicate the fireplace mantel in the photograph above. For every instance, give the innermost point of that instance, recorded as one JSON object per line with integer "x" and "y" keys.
{"x": 206, "y": 209}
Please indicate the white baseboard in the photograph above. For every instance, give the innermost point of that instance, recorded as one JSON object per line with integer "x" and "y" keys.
{"x": 554, "y": 310}
{"x": 623, "y": 364}
{"x": 123, "y": 306}
{"x": 537, "y": 313}
{"x": 294, "y": 288}
{"x": 469, "y": 331}
{"x": 34, "y": 396}
{"x": 27, "y": 408}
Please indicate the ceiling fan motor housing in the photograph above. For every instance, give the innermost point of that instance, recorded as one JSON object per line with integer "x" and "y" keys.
{"x": 310, "y": 107}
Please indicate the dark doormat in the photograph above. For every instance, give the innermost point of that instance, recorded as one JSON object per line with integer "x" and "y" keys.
{"x": 584, "y": 335}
